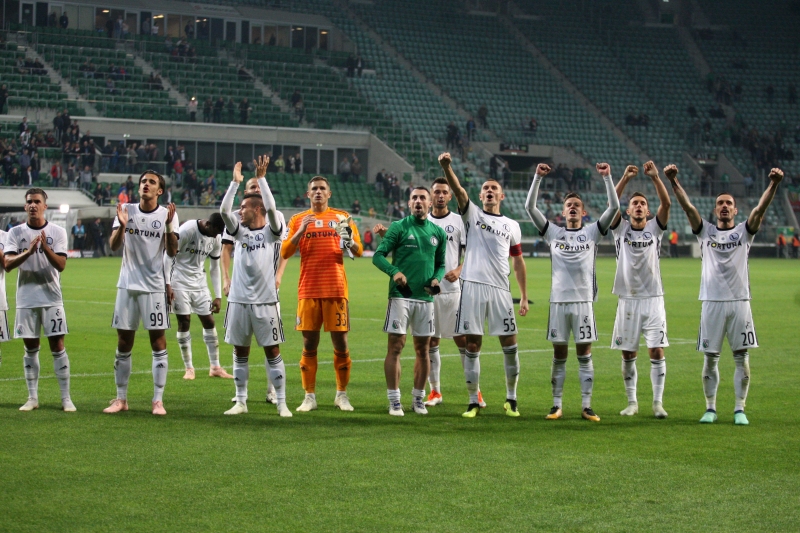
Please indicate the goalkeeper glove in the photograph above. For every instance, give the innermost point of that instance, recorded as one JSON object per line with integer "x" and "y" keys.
{"x": 345, "y": 231}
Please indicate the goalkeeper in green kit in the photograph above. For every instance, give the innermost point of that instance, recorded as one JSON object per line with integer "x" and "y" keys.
{"x": 417, "y": 267}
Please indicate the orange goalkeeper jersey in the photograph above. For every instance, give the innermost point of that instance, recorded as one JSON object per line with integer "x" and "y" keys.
{"x": 322, "y": 272}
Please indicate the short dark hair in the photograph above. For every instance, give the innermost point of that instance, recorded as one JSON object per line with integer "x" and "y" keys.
{"x": 725, "y": 194}
{"x": 161, "y": 181}
{"x": 36, "y": 190}
{"x": 440, "y": 181}
{"x": 637, "y": 193}
{"x": 216, "y": 222}
{"x": 420, "y": 187}
{"x": 318, "y": 178}
{"x": 573, "y": 195}
{"x": 255, "y": 196}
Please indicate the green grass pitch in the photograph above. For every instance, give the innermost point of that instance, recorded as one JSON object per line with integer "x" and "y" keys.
{"x": 197, "y": 470}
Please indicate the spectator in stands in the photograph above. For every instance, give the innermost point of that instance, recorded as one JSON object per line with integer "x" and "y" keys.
{"x": 219, "y": 105}
{"x": 3, "y": 99}
{"x": 191, "y": 107}
{"x": 298, "y": 163}
{"x": 451, "y": 135}
{"x": 780, "y": 246}
{"x": 145, "y": 29}
{"x": 483, "y": 115}
{"x": 207, "y": 198}
{"x": 86, "y": 177}
{"x": 52, "y": 19}
{"x": 351, "y": 66}
{"x": 371, "y": 212}
{"x": 24, "y": 159}
{"x": 470, "y": 128}
{"x": 355, "y": 169}
{"x": 231, "y": 111}
{"x": 122, "y": 196}
{"x": 106, "y": 194}
{"x": 23, "y": 126}
{"x": 188, "y": 30}
{"x": 280, "y": 164}
{"x": 63, "y": 21}
{"x": 72, "y": 176}
{"x": 27, "y": 176}
{"x": 110, "y": 87}
{"x": 244, "y": 110}
{"x": 141, "y": 157}
{"x": 298, "y": 201}
{"x": 65, "y": 122}
{"x": 177, "y": 169}
{"x": 355, "y": 208}
{"x": 210, "y": 182}
{"x": 98, "y": 194}
{"x": 78, "y": 235}
{"x": 533, "y": 126}
{"x": 300, "y": 109}
{"x": 368, "y": 238}
{"x": 344, "y": 169}
{"x": 13, "y": 178}
{"x": 296, "y": 97}
{"x": 208, "y": 107}
{"x": 56, "y": 173}
{"x": 98, "y": 236}
{"x": 673, "y": 244}
{"x": 125, "y": 30}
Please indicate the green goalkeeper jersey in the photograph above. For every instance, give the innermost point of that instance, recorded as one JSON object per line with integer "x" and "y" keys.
{"x": 418, "y": 248}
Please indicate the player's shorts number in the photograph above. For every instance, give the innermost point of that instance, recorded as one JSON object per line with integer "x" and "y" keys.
{"x": 341, "y": 319}
{"x": 509, "y": 324}
{"x": 748, "y": 338}
{"x": 585, "y": 332}
{"x": 156, "y": 319}
{"x": 275, "y": 334}
{"x": 56, "y": 325}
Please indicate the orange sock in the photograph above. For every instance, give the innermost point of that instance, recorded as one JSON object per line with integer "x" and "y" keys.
{"x": 308, "y": 371}
{"x": 342, "y": 362}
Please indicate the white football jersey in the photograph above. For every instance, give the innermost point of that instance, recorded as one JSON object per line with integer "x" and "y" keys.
{"x": 3, "y": 299}
{"x": 453, "y": 227}
{"x": 572, "y": 259}
{"x": 38, "y": 282}
{"x": 227, "y": 239}
{"x": 143, "y": 249}
{"x": 725, "y": 275}
{"x": 489, "y": 241}
{"x": 188, "y": 272}
{"x": 638, "y": 266}
{"x": 255, "y": 259}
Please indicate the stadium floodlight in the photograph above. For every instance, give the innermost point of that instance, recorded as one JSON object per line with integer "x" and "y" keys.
{"x": 64, "y": 208}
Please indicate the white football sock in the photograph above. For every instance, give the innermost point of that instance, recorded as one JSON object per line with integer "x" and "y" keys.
{"x": 436, "y": 365}
{"x": 270, "y": 386}
{"x": 185, "y": 344}
{"x": 462, "y": 352}
{"x": 586, "y": 375}
{"x": 241, "y": 374}
{"x": 277, "y": 374}
{"x": 558, "y": 373}
{"x": 61, "y": 368}
{"x": 711, "y": 380}
{"x": 393, "y": 395}
{"x": 472, "y": 374}
{"x": 629, "y": 377}
{"x": 741, "y": 379}
{"x": 511, "y": 357}
{"x": 122, "y": 373}
{"x": 658, "y": 375}
{"x": 160, "y": 369}
{"x": 212, "y": 345}
{"x": 30, "y": 362}
{"x": 418, "y": 394}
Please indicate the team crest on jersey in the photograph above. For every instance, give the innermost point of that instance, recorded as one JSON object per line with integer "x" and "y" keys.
{"x": 618, "y": 341}
{"x": 449, "y": 228}
{"x": 734, "y": 236}
{"x": 395, "y": 324}
{"x": 156, "y": 224}
{"x": 259, "y": 237}
{"x": 434, "y": 241}
{"x": 705, "y": 343}
{"x": 506, "y": 227}
{"x": 49, "y": 241}
{"x": 331, "y": 224}
{"x": 647, "y": 235}
{"x": 581, "y": 238}
{"x": 553, "y": 333}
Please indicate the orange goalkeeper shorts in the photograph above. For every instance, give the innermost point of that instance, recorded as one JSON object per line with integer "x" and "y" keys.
{"x": 313, "y": 313}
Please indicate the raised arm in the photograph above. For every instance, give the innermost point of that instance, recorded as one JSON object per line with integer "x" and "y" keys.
{"x": 664, "y": 201}
{"x": 170, "y": 236}
{"x": 613, "y": 200}
{"x": 452, "y": 180}
{"x": 226, "y": 207}
{"x": 757, "y": 215}
{"x": 118, "y": 233}
{"x": 695, "y": 220}
{"x": 537, "y": 217}
{"x": 274, "y": 221}
{"x": 631, "y": 171}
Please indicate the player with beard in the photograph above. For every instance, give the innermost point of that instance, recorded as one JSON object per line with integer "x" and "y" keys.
{"x": 725, "y": 290}
{"x": 573, "y": 250}
{"x": 637, "y": 283}
{"x": 145, "y": 230}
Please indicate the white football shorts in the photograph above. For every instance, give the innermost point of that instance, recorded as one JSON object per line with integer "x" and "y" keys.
{"x": 402, "y": 314}
{"x": 480, "y": 302}
{"x": 192, "y": 302}
{"x": 242, "y": 321}
{"x": 30, "y": 322}
{"x": 5, "y": 333}
{"x": 636, "y": 317}
{"x": 734, "y": 319}
{"x": 445, "y": 309}
{"x": 574, "y": 317}
{"x": 132, "y": 307}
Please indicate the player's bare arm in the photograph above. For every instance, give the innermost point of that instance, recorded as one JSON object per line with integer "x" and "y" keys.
{"x": 261, "y": 164}
{"x": 59, "y": 262}
{"x": 170, "y": 236}
{"x": 757, "y": 215}
{"x": 380, "y": 229}
{"x": 461, "y": 194}
{"x": 13, "y": 261}
{"x": 400, "y": 279}
{"x": 454, "y": 274}
{"x": 613, "y": 200}
{"x": 214, "y": 274}
{"x": 117, "y": 236}
{"x": 225, "y": 259}
{"x": 631, "y": 171}
{"x": 2, "y": 262}
{"x": 664, "y": 201}
{"x": 279, "y": 272}
{"x": 534, "y": 213}
{"x": 695, "y": 220}
{"x": 521, "y": 273}
{"x": 290, "y": 245}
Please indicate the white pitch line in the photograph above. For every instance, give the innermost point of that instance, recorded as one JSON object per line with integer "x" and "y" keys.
{"x": 324, "y": 362}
